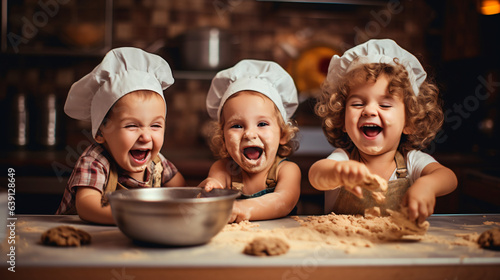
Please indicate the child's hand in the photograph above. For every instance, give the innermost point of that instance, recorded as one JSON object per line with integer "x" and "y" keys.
{"x": 210, "y": 184}
{"x": 353, "y": 176}
{"x": 240, "y": 213}
{"x": 420, "y": 200}
{"x": 435, "y": 180}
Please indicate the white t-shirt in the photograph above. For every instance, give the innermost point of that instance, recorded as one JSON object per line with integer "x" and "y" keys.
{"x": 416, "y": 161}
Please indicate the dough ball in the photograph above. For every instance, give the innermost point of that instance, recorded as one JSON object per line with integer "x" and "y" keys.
{"x": 490, "y": 239}
{"x": 65, "y": 236}
{"x": 373, "y": 212}
{"x": 373, "y": 183}
{"x": 266, "y": 246}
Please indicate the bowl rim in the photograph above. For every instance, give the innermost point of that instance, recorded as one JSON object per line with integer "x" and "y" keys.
{"x": 119, "y": 195}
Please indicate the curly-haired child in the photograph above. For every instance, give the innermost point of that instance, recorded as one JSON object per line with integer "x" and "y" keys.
{"x": 379, "y": 111}
{"x": 252, "y": 103}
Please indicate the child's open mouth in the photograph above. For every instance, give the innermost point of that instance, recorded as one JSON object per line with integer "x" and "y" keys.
{"x": 252, "y": 153}
{"x": 140, "y": 156}
{"x": 371, "y": 130}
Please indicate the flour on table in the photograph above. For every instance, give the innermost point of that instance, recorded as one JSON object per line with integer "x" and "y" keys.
{"x": 242, "y": 226}
{"x": 370, "y": 228}
{"x": 340, "y": 231}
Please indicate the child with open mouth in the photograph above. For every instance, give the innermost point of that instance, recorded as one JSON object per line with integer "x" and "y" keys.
{"x": 379, "y": 111}
{"x": 123, "y": 99}
{"x": 252, "y": 104}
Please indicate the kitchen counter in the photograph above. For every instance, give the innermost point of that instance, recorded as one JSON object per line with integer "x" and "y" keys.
{"x": 111, "y": 255}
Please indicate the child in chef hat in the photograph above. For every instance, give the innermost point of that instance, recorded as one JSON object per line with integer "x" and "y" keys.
{"x": 123, "y": 99}
{"x": 379, "y": 111}
{"x": 252, "y": 103}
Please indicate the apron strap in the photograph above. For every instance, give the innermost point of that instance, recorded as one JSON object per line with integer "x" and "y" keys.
{"x": 236, "y": 176}
{"x": 401, "y": 171}
{"x": 272, "y": 176}
{"x": 157, "y": 172}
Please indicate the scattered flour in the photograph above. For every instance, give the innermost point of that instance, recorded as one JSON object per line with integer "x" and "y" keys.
{"x": 345, "y": 232}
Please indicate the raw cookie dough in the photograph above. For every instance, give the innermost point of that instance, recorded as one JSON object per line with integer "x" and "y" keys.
{"x": 266, "y": 246}
{"x": 65, "y": 236}
{"x": 374, "y": 183}
{"x": 372, "y": 228}
{"x": 407, "y": 227}
{"x": 373, "y": 212}
{"x": 490, "y": 239}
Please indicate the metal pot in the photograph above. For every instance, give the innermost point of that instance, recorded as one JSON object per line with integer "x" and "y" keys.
{"x": 174, "y": 216}
{"x": 206, "y": 48}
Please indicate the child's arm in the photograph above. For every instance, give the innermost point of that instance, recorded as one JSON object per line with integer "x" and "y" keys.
{"x": 89, "y": 208}
{"x": 328, "y": 174}
{"x": 217, "y": 176}
{"x": 272, "y": 205}
{"x": 435, "y": 180}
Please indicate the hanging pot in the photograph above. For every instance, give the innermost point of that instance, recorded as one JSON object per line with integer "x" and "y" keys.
{"x": 206, "y": 48}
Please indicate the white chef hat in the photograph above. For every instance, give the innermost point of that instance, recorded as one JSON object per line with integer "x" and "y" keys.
{"x": 377, "y": 51}
{"x": 266, "y": 77}
{"x": 123, "y": 70}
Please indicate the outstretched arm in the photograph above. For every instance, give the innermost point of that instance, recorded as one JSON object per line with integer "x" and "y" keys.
{"x": 327, "y": 174}
{"x": 272, "y": 205}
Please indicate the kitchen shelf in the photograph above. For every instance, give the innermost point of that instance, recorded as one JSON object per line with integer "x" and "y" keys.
{"x": 48, "y": 37}
{"x": 61, "y": 52}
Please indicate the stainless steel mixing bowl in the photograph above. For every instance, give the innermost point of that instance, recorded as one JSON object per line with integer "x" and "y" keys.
{"x": 182, "y": 216}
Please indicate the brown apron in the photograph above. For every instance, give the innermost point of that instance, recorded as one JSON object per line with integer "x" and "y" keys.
{"x": 348, "y": 203}
{"x": 113, "y": 184}
{"x": 271, "y": 181}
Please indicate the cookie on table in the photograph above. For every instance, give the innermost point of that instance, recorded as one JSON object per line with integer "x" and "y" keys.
{"x": 65, "y": 236}
{"x": 490, "y": 239}
{"x": 266, "y": 246}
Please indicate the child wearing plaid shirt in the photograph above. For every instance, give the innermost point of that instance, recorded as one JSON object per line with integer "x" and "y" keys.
{"x": 123, "y": 98}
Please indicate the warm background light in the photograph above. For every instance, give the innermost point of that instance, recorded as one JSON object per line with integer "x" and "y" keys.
{"x": 489, "y": 7}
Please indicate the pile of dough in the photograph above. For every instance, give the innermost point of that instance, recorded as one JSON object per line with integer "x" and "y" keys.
{"x": 65, "y": 236}
{"x": 372, "y": 227}
{"x": 266, "y": 246}
{"x": 407, "y": 227}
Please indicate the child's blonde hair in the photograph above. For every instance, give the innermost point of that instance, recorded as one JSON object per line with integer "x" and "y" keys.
{"x": 423, "y": 113}
{"x": 288, "y": 130}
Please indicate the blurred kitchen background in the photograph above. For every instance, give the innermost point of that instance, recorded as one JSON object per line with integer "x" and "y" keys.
{"x": 46, "y": 45}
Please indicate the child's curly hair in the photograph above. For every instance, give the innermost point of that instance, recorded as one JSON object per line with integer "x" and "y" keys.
{"x": 423, "y": 113}
{"x": 288, "y": 130}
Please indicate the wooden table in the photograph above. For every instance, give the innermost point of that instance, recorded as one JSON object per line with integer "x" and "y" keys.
{"x": 111, "y": 255}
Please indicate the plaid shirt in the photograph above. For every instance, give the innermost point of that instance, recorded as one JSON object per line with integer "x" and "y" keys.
{"x": 92, "y": 171}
